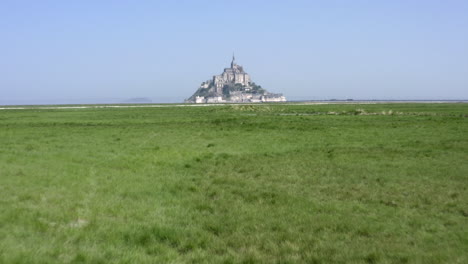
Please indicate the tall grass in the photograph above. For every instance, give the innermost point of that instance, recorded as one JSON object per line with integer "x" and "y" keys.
{"x": 235, "y": 184}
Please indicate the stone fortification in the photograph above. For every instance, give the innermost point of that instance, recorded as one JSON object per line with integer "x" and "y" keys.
{"x": 232, "y": 86}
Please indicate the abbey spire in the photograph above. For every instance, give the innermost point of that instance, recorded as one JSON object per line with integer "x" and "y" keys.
{"x": 233, "y": 62}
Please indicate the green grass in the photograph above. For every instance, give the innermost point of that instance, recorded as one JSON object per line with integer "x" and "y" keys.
{"x": 235, "y": 184}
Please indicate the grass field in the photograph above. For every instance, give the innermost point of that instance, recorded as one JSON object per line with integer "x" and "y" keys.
{"x": 383, "y": 183}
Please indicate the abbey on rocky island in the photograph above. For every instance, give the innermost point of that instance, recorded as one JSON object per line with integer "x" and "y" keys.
{"x": 233, "y": 86}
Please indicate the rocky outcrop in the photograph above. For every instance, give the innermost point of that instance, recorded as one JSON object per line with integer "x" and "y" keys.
{"x": 232, "y": 86}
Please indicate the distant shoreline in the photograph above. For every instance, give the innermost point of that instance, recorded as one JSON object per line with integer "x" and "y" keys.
{"x": 136, "y": 105}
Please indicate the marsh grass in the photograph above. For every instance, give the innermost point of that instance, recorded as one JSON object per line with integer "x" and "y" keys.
{"x": 235, "y": 184}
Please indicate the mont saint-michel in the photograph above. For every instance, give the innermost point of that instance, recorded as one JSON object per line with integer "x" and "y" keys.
{"x": 234, "y": 85}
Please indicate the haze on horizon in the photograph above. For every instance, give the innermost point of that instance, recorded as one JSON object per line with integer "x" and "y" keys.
{"x": 93, "y": 50}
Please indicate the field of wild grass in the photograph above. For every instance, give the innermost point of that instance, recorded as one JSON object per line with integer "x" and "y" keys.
{"x": 384, "y": 183}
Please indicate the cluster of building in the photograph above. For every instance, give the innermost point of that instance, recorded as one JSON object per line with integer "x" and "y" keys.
{"x": 233, "y": 86}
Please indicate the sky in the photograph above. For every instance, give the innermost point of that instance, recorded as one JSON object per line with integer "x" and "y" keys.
{"x": 67, "y": 51}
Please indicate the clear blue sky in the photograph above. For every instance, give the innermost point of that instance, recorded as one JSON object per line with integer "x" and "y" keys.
{"x": 400, "y": 49}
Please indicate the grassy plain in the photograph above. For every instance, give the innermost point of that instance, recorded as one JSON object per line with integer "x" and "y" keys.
{"x": 383, "y": 183}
